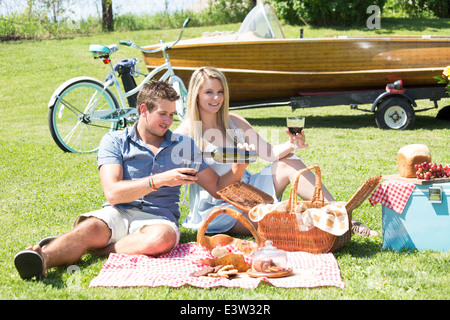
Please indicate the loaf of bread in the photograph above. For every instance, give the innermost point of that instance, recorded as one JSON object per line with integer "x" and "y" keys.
{"x": 410, "y": 155}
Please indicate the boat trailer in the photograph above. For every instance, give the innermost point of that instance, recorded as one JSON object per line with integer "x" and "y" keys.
{"x": 394, "y": 107}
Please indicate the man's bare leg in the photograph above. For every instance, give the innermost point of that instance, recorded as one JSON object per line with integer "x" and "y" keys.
{"x": 152, "y": 240}
{"x": 69, "y": 248}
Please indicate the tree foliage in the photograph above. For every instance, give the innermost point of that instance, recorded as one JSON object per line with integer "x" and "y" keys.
{"x": 354, "y": 12}
{"x": 324, "y": 12}
{"x": 418, "y": 8}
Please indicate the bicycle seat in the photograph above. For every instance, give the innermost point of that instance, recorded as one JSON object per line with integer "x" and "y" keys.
{"x": 102, "y": 51}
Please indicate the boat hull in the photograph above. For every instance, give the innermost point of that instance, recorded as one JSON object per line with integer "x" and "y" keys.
{"x": 280, "y": 69}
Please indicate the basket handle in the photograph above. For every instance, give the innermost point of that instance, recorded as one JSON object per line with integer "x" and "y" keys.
{"x": 318, "y": 192}
{"x": 201, "y": 239}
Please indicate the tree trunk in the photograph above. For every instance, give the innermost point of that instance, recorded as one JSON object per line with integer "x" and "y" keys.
{"x": 107, "y": 16}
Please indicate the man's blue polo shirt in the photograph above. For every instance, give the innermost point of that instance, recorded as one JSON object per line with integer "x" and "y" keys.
{"x": 138, "y": 161}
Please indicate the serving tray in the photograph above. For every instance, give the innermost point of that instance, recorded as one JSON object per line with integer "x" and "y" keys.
{"x": 415, "y": 180}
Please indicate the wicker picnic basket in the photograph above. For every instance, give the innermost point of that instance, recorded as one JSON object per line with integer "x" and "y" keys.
{"x": 223, "y": 239}
{"x": 282, "y": 227}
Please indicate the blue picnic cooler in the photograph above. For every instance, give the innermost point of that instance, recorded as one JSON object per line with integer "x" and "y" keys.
{"x": 424, "y": 223}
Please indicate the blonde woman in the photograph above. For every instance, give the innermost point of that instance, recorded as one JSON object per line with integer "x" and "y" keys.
{"x": 210, "y": 124}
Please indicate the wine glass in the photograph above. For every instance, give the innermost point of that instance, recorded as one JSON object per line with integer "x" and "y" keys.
{"x": 295, "y": 125}
{"x": 186, "y": 163}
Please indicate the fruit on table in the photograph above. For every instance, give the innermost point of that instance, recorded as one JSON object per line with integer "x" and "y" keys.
{"x": 431, "y": 170}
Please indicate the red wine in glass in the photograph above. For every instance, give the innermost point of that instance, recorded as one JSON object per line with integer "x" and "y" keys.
{"x": 295, "y": 124}
{"x": 295, "y": 130}
{"x": 192, "y": 165}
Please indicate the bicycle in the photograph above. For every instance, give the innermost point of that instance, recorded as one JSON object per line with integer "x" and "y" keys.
{"x": 83, "y": 109}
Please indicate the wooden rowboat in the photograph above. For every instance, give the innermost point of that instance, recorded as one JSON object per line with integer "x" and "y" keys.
{"x": 262, "y": 69}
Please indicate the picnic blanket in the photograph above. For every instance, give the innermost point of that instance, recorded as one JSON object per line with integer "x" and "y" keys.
{"x": 174, "y": 269}
{"x": 393, "y": 194}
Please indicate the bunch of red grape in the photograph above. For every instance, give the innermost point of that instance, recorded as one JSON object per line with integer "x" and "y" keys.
{"x": 429, "y": 170}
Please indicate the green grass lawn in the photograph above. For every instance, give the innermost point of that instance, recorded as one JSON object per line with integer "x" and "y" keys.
{"x": 44, "y": 189}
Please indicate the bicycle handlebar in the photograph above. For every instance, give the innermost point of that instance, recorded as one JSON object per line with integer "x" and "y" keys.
{"x": 126, "y": 43}
{"x": 165, "y": 48}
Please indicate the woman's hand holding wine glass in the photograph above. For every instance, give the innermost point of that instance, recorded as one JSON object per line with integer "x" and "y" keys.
{"x": 295, "y": 131}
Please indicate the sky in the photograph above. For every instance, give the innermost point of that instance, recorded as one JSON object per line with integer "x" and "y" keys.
{"x": 84, "y": 8}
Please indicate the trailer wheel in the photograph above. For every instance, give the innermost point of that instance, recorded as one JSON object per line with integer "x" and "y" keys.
{"x": 395, "y": 113}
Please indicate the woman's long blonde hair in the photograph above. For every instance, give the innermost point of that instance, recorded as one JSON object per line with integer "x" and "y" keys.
{"x": 197, "y": 81}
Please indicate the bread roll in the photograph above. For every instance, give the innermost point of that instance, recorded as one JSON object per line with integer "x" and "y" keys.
{"x": 410, "y": 155}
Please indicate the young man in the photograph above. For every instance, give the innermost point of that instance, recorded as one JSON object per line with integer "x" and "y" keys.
{"x": 141, "y": 177}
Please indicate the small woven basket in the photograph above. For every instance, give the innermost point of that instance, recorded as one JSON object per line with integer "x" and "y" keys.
{"x": 224, "y": 239}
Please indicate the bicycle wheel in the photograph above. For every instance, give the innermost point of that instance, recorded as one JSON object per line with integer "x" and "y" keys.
{"x": 72, "y": 121}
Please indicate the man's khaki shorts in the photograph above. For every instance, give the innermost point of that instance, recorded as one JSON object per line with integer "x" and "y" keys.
{"x": 125, "y": 222}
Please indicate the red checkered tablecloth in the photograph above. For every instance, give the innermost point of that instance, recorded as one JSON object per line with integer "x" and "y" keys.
{"x": 393, "y": 194}
{"x": 174, "y": 269}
